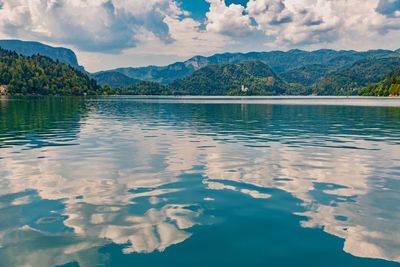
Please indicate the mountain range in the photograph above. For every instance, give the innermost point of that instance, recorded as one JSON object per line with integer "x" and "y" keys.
{"x": 283, "y": 63}
{"x": 320, "y": 72}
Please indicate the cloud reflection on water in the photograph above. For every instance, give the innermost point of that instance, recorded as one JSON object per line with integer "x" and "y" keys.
{"x": 125, "y": 162}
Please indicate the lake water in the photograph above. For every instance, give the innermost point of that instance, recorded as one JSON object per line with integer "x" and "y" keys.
{"x": 125, "y": 181}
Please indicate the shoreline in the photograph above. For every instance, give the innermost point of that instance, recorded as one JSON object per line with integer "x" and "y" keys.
{"x": 215, "y": 96}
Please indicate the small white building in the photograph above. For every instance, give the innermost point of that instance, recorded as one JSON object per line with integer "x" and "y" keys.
{"x": 244, "y": 89}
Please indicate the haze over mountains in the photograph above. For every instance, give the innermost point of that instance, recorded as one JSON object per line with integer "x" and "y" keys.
{"x": 321, "y": 72}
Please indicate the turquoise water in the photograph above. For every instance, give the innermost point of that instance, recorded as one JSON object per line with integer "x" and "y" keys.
{"x": 126, "y": 181}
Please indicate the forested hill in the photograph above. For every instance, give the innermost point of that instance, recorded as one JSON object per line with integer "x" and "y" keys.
{"x": 348, "y": 80}
{"x": 41, "y": 75}
{"x": 389, "y": 86}
{"x": 28, "y": 48}
{"x": 280, "y": 61}
{"x": 114, "y": 79}
{"x": 224, "y": 79}
{"x": 296, "y": 72}
{"x": 260, "y": 79}
{"x": 219, "y": 79}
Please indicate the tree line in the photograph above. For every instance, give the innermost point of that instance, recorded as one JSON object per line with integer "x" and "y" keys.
{"x": 39, "y": 75}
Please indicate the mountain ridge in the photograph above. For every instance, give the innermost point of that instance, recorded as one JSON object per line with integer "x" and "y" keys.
{"x": 114, "y": 79}
{"x": 320, "y": 72}
{"x": 280, "y": 62}
{"x": 229, "y": 78}
{"x": 30, "y": 48}
{"x": 40, "y": 75}
{"x": 349, "y": 79}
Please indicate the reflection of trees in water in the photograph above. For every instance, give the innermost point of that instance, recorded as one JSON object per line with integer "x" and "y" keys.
{"x": 334, "y": 145}
{"x": 290, "y": 124}
{"x": 96, "y": 192}
{"x": 40, "y": 121}
{"x": 147, "y": 146}
{"x": 343, "y": 146}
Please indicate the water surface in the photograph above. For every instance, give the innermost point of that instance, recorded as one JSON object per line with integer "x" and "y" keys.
{"x": 134, "y": 181}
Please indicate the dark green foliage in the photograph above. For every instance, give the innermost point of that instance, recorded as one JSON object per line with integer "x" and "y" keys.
{"x": 279, "y": 61}
{"x": 389, "y": 86}
{"x": 146, "y": 88}
{"x": 41, "y": 113}
{"x": 26, "y": 48}
{"x": 226, "y": 79}
{"x": 42, "y": 76}
{"x": 107, "y": 90}
{"x": 164, "y": 75}
{"x": 348, "y": 80}
{"x": 306, "y": 75}
{"x": 114, "y": 79}
{"x": 322, "y": 72}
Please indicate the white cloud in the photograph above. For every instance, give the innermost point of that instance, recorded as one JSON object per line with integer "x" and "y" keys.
{"x": 96, "y": 25}
{"x": 228, "y": 20}
{"x": 289, "y": 23}
{"x": 294, "y": 22}
{"x": 189, "y": 40}
{"x": 111, "y": 33}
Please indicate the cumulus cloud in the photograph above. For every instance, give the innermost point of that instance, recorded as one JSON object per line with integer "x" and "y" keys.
{"x": 294, "y": 22}
{"x": 190, "y": 38}
{"x": 111, "y": 33}
{"x": 96, "y": 25}
{"x": 306, "y": 22}
{"x": 229, "y": 20}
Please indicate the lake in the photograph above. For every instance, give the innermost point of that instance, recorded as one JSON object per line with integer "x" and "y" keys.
{"x": 161, "y": 181}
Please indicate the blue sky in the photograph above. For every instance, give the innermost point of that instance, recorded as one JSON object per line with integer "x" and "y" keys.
{"x": 110, "y": 33}
{"x": 199, "y": 8}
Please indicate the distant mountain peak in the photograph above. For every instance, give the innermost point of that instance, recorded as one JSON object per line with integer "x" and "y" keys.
{"x": 296, "y": 51}
{"x": 297, "y": 65}
{"x": 29, "y": 48}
